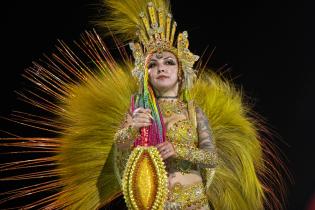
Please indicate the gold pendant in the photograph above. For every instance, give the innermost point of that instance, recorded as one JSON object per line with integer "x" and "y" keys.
{"x": 145, "y": 183}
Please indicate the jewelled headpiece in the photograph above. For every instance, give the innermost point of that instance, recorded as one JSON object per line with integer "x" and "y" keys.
{"x": 156, "y": 33}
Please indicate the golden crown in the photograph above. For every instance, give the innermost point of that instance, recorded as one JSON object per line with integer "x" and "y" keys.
{"x": 156, "y": 32}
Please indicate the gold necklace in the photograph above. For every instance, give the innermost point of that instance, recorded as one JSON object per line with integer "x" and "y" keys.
{"x": 170, "y": 107}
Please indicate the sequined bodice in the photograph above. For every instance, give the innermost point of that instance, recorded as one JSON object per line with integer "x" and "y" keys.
{"x": 180, "y": 130}
{"x": 183, "y": 132}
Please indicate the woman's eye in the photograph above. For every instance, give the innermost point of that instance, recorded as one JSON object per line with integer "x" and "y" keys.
{"x": 151, "y": 65}
{"x": 170, "y": 62}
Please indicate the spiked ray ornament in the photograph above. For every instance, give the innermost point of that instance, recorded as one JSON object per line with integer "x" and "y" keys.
{"x": 77, "y": 93}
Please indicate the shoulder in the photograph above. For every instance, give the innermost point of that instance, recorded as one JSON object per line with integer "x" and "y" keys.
{"x": 201, "y": 116}
{"x": 199, "y": 111}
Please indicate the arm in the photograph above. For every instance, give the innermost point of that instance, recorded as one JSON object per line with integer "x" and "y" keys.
{"x": 205, "y": 156}
{"x": 131, "y": 126}
{"x": 124, "y": 140}
{"x": 126, "y": 134}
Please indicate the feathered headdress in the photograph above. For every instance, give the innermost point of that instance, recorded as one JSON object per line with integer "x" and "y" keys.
{"x": 150, "y": 28}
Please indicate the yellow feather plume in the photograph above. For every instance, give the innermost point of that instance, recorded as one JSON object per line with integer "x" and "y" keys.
{"x": 122, "y": 17}
{"x": 88, "y": 98}
{"x": 245, "y": 171}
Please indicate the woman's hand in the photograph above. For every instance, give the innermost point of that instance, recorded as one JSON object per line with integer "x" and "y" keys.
{"x": 141, "y": 118}
{"x": 166, "y": 150}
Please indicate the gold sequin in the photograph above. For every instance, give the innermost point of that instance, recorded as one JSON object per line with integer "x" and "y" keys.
{"x": 183, "y": 197}
{"x": 183, "y": 135}
{"x": 126, "y": 135}
{"x": 195, "y": 155}
{"x": 170, "y": 107}
{"x": 144, "y": 182}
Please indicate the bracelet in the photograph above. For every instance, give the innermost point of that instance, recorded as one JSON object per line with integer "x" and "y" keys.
{"x": 195, "y": 155}
{"x": 126, "y": 135}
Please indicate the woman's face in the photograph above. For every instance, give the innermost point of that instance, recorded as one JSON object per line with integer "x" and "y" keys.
{"x": 163, "y": 70}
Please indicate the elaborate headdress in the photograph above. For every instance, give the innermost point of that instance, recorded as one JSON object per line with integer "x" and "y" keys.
{"x": 151, "y": 29}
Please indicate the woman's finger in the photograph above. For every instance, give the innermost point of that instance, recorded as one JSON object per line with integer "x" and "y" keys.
{"x": 161, "y": 145}
{"x": 167, "y": 155}
{"x": 164, "y": 149}
{"x": 140, "y": 125}
{"x": 144, "y": 115}
{"x": 150, "y": 116}
{"x": 142, "y": 120}
{"x": 140, "y": 109}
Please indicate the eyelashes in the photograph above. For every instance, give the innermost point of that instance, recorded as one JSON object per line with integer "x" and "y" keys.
{"x": 166, "y": 62}
{"x": 151, "y": 65}
{"x": 170, "y": 62}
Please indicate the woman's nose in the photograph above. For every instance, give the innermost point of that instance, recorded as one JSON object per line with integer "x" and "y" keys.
{"x": 161, "y": 69}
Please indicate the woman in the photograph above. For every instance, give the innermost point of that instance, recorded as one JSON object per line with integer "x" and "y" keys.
{"x": 163, "y": 155}
{"x": 187, "y": 149}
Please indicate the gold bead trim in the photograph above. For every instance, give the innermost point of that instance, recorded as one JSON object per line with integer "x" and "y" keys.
{"x": 156, "y": 167}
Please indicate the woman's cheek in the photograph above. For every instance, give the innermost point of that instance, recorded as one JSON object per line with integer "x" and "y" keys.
{"x": 151, "y": 76}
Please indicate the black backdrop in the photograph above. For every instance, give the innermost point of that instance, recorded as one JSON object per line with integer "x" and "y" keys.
{"x": 267, "y": 45}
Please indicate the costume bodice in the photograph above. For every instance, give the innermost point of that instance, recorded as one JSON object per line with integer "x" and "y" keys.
{"x": 183, "y": 132}
{"x": 180, "y": 130}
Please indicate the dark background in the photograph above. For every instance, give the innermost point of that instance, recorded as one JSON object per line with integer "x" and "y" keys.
{"x": 269, "y": 47}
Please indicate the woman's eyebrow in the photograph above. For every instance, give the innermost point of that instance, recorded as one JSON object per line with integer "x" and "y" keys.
{"x": 153, "y": 59}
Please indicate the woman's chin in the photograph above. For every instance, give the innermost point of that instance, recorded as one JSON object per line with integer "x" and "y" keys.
{"x": 163, "y": 89}
{"x": 165, "y": 86}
